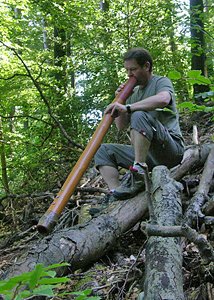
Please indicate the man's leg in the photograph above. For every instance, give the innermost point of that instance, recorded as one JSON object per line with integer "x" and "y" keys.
{"x": 109, "y": 157}
{"x": 110, "y": 176}
{"x": 152, "y": 145}
{"x": 158, "y": 145}
{"x": 141, "y": 146}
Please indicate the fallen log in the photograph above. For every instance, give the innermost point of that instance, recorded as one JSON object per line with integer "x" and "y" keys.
{"x": 163, "y": 267}
{"x": 194, "y": 210}
{"x": 194, "y": 156}
{"x": 84, "y": 244}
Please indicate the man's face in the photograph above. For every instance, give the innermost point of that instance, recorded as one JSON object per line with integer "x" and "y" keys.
{"x": 142, "y": 74}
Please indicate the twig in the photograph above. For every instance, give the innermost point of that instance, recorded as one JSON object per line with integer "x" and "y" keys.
{"x": 204, "y": 247}
{"x": 130, "y": 269}
{"x": 195, "y": 135}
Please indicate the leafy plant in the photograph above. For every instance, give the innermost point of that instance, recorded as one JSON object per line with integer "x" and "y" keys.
{"x": 42, "y": 281}
{"x": 195, "y": 77}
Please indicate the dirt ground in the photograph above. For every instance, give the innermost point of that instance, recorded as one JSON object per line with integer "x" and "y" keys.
{"x": 120, "y": 274}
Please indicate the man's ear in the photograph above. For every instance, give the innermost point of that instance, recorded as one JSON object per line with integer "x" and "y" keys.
{"x": 147, "y": 65}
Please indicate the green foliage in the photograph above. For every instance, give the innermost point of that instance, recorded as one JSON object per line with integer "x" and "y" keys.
{"x": 41, "y": 281}
{"x": 63, "y": 59}
{"x": 195, "y": 77}
{"x": 192, "y": 107}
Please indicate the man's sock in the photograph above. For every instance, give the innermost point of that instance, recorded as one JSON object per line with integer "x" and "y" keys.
{"x": 139, "y": 167}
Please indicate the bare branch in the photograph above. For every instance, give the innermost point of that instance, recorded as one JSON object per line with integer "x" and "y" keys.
{"x": 204, "y": 247}
{"x": 14, "y": 75}
{"x": 26, "y": 116}
{"x": 198, "y": 200}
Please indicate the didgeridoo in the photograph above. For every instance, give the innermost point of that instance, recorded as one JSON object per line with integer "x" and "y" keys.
{"x": 50, "y": 218}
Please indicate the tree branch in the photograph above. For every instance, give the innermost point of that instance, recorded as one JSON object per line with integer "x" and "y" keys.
{"x": 204, "y": 247}
{"x": 43, "y": 97}
{"x": 194, "y": 210}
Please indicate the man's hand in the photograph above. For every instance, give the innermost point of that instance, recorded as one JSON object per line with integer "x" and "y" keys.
{"x": 115, "y": 109}
{"x": 120, "y": 89}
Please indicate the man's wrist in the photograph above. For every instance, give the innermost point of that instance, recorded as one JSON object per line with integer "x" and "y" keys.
{"x": 128, "y": 108}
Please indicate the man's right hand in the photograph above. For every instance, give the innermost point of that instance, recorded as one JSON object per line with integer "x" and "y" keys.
{"x": 115, "y": 109}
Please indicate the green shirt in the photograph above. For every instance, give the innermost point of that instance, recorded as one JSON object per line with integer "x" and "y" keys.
{"x": 168, "y": 116}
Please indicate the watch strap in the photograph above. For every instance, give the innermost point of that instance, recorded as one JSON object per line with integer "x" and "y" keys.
{"x": 128, "y": 107}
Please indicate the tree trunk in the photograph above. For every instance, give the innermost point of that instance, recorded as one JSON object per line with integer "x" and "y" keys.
{"x": 59, "y": 54}
{"x": 198, "y": 41}
{"x": 3, "y": 161}
{"x": 163, "y": 270}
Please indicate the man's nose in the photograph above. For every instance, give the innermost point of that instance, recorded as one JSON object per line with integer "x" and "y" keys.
{"x": 130, "y": 73}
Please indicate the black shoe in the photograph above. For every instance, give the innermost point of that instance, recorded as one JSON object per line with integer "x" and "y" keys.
{"x": 107, "y": 199}
{"x": 131, "y": 184}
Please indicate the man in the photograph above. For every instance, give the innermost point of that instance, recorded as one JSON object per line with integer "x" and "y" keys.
{"x": 154, "y": 129}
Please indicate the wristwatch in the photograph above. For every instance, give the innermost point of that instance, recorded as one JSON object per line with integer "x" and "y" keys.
{"x": 128, "y": 107}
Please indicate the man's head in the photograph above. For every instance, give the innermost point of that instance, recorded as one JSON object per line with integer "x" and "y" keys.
{"x": 138, "y": 63}
{"x": 141, "y": 56}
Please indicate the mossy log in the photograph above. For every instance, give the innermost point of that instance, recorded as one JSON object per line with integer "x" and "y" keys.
{"x": 163, "y": 271}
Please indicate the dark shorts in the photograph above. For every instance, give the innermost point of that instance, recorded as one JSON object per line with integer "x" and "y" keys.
{"x": 165, "y": 148}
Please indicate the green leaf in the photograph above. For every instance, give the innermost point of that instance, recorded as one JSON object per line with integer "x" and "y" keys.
{"x": 209, "y": 109}
{"x": 193, "y": 73}
{"x": 54, "y": 266}
{"x": 44, "y": 290}
{"x": 174, "y": 75}
{"x": 50, "y": 274}
{"x": 8, "y": 297}
{"x": 203, "y": 80}
{"x": 84, "y": 293}
{"x": 25, "y": 294}
{"x": 53, "y": 280}
{"x": 12, "y": 282}
{"x": 205, "y": 95}
{"x": 36, "y": 274}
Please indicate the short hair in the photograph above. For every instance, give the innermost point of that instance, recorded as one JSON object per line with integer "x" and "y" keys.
{"x": 141, "y": 55}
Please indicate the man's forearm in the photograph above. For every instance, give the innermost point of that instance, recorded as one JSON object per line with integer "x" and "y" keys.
{"x": 160, "y": 100}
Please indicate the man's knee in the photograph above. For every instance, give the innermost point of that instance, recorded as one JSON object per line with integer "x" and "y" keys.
{"x": 142, "y": 122}
{"x": 141, "y": 116}
{"x": 102, "y": 151}
{"x": 103, "y": 156}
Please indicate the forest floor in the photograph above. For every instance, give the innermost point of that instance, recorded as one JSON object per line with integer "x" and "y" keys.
{"x": 119, "y": 274}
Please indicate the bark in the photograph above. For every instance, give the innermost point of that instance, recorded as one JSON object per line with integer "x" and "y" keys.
{"x": 84, "y": 244}
{"x": 194, "y": 211}
{"x": 208, "y": 209}
{"x": 163, "y": 270}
